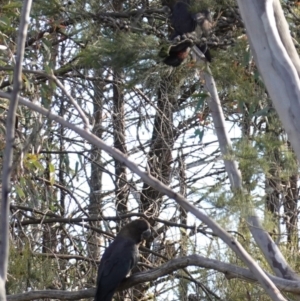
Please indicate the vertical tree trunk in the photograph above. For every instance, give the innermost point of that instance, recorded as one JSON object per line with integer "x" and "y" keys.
{"x": 183, "y": 284}
{"x": 62, "y": 194}
{"x": 273, "y": 181}
{"x": 122, "y": 189}
{"x": 95, "y": 201}
{"x": 161, "y": 145}
{"x": 290, "y": 203}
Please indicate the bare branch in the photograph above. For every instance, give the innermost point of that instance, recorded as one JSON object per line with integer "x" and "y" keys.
{"x": 270, "y": 250}
{"x": 10, "y": 138}
{"x": 230, "y": 271}
{"x": 216, "y": 110}
{"x": 53, "y": 294}
{"x": 276, "y": 67}
{"x": 215, "y": 107}
{"x": 283, "y": 30}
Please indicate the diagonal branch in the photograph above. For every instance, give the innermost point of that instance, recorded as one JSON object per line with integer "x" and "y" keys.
{"x": 270, "y": 250}
{"x": 215, "y": 107}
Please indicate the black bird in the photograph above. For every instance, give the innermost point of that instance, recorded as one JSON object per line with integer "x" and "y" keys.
{"x": 184, "y": 21}
{"x": 177, "y": 53}
{"x": 120, "y": 257}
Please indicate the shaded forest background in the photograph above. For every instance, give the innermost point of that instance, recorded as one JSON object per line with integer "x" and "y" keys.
{"x": 70, "y": 198}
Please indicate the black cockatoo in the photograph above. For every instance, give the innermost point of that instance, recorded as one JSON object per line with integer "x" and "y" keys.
{"x": 184, "y": 21}
{"x": 176, "y": 53}
{"x": 120, "y": 257}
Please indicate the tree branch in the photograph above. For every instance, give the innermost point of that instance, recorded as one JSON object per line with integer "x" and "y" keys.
{"x": 230, "y": 271}
{"x": 216, "y": 110}
{"x": 10, "y": 138}
{"x": 270, "y": 250}
{"x": 274, "y": 63}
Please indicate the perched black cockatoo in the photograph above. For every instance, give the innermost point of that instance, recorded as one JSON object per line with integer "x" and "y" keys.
{"x": 120, "y": 257}
{"x": 177, "y": 53}
{"x": 184, "y": 21}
